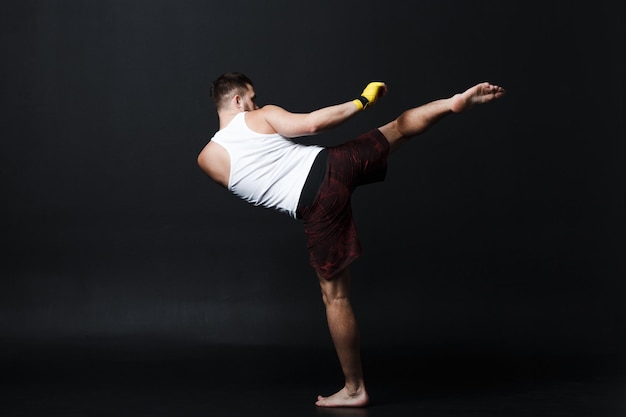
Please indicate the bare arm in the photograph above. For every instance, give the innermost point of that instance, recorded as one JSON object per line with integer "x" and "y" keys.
{"x": 303, "y": 124}
{"x": 275, "y": 119}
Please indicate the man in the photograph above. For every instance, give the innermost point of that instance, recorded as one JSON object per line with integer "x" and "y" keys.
{"x": 252, "y": 156}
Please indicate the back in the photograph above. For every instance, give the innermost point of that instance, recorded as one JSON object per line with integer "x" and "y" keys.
{"x": 265, "y": 169}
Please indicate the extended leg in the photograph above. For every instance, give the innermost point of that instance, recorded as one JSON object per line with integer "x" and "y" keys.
{"x": 345, "y": 335}
{"x": 419, "y": 119}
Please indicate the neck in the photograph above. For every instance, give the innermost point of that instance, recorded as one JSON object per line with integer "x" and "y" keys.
{"x": 226, "y": 117}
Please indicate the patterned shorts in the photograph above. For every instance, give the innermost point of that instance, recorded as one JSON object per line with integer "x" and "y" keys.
{"x": 328, "y": 223}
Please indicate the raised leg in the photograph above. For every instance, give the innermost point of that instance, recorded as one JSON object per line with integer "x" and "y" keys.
{"x": 419, "y": 119}
{"x": 345, "y": 335}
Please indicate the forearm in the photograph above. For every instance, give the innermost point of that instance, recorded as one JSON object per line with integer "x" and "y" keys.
{"x": 331, "y": 116}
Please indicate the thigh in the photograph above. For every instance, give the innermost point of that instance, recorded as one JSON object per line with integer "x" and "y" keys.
{"x": 360, "y": 161}
{"x": 330, "y": 230}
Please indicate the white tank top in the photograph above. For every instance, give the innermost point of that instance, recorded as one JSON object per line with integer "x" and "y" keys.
{"x": 265, "y": 169}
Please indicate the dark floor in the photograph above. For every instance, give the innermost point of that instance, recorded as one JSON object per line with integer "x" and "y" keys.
{"x": 117, "y": 379}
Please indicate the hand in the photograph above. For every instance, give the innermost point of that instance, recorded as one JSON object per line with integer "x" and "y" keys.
{"x": 370, "y": 94}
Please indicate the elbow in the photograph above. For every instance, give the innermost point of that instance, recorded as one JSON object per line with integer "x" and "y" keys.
{"x": 314, "y": 127}
{"x": 316, "y": 123}
{"x": 304, "y": 130}
{"x": 203, "y": 163}
{"x": 314, "y": 130}
{"x": 200, "y": 161}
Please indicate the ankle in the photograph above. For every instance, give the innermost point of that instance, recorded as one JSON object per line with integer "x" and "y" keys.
{"x": 354, "y": 389}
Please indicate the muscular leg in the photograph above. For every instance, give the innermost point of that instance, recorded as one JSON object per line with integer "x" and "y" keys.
{"x": 345, "y": 335}
{"x": 419, "y": 119}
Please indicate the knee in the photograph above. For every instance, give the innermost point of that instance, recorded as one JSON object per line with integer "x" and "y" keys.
{"x": 330, "y": 295}
{"x": 392, "y": 130}
{"x": 328, "y": 292}
{"x": 335, "y": 300}
{"x": 326, "y": 299}
{"x": 394, "y": 134}
{"x": 334, "y": 290}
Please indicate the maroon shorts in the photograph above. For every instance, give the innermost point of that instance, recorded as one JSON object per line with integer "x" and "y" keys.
{"x": 328, "y": 224}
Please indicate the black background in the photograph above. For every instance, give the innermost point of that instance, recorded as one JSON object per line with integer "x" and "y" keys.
{"x": 500, "y": 230}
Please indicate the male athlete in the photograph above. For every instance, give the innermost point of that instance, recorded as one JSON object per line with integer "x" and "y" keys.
{"x": 253, "y": 157}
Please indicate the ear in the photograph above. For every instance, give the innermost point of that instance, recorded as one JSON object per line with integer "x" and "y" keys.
{"x": 237, "y": 102}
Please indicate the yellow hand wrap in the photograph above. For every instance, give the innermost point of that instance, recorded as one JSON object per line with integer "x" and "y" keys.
{"x": 369, "y": 95}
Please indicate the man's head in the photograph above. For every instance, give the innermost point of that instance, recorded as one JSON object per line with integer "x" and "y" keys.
{"x": 233, "y": 88}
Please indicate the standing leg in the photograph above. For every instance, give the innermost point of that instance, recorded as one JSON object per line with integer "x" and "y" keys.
{"x": 419, "y": 119}
{"x": 345, "y": 335}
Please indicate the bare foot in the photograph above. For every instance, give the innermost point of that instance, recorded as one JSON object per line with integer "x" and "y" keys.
{"x": 479, "y": 94}
{"x": 343, "y": 398}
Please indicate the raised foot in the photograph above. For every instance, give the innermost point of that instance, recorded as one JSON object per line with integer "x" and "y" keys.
{"x": 478, "y": 94}
{"x": 344, "y": 398}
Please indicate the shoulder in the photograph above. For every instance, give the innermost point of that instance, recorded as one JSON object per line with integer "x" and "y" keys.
{"x": 261, "y": 120}
{"x": 269, "y": 110}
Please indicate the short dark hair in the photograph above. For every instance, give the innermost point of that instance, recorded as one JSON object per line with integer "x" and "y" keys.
{"x": 227, "y": 84}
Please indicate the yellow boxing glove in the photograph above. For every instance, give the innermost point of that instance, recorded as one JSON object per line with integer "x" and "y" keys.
{"x": 369, "y": 96}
